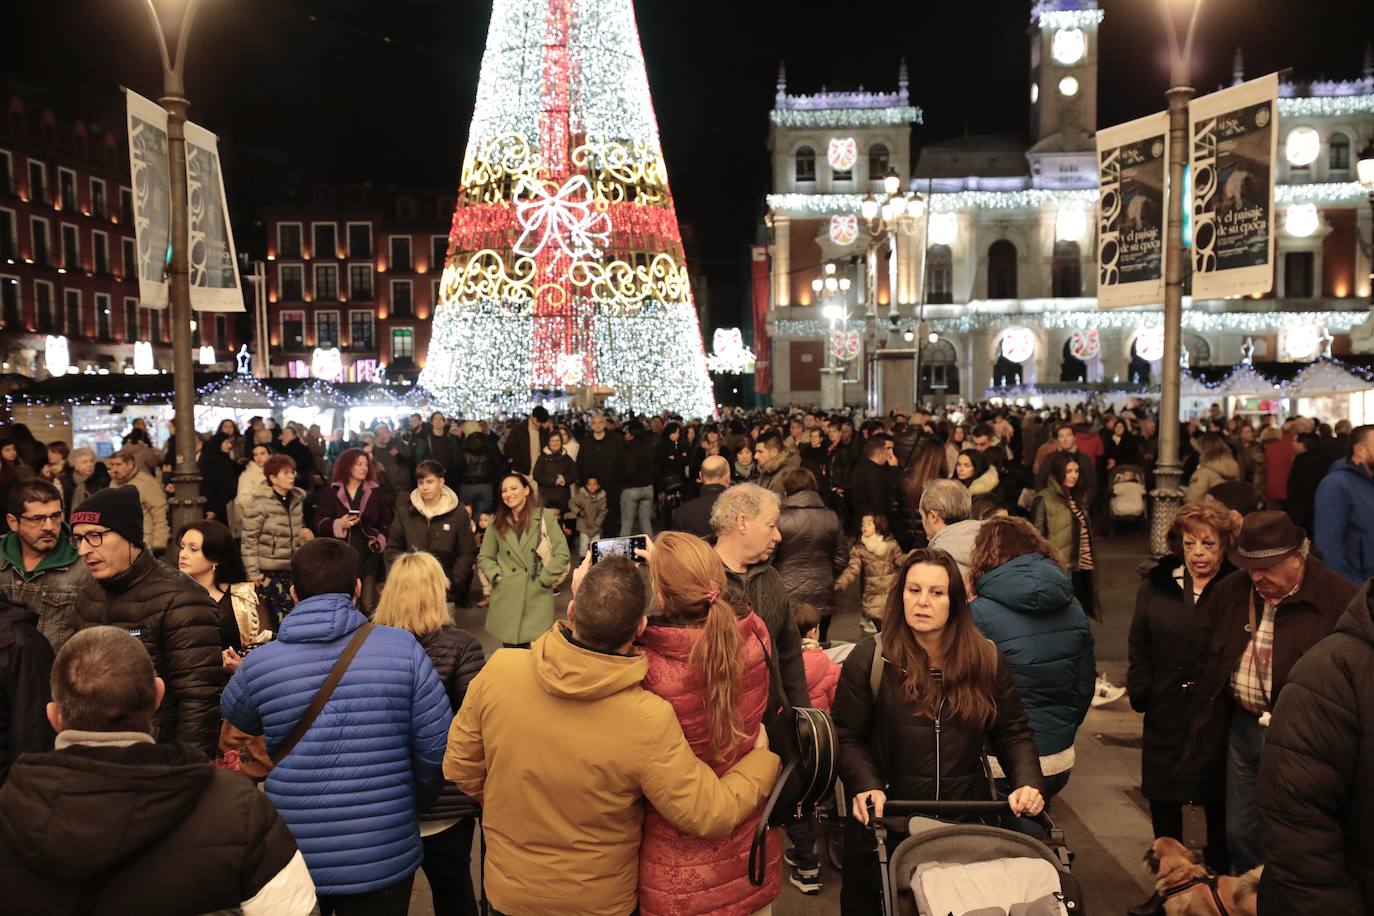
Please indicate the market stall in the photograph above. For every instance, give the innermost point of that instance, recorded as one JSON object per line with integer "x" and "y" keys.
{"x": 1330, "y": 391}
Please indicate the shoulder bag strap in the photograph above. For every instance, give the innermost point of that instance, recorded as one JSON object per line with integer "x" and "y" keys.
{"x": 322, "y": 696}
{"x": 875, "y": 673}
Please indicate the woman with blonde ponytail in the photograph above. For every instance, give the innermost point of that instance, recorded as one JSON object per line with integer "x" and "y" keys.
{"x": 707, "y": 657}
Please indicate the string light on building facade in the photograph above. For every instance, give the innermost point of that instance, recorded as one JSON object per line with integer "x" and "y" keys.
{"x": 823, "y": 119}
{"x": 1047, "y": 17}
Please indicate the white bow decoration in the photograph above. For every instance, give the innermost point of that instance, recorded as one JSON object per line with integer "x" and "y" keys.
{"x": 567, "y": 217}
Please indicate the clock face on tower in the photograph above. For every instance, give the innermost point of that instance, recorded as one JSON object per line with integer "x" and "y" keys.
{"x": 1069, "y": 46}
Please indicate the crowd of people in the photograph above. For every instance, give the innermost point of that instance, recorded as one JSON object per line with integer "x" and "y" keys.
{"x": 302, "y": 635}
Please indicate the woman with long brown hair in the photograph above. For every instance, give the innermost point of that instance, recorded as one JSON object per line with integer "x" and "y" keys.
{"x": 926, "y": 463}
{"x": 524, "y": 556}
{"x": 707, "y": 657}
{"x": 357, "y": 509}
{"x": 942, "y": 693}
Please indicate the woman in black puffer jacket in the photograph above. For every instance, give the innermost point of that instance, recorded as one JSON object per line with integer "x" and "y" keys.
{"x": 415, "y": 599}
{"x": 814, "y": 549}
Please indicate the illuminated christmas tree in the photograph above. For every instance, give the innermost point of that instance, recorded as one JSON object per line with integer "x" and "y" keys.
{"x": 565, "y": 265}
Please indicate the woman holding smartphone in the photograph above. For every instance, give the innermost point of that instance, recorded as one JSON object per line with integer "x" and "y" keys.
{"x": 356, "y": 509}
{"x": 524, "y": 556}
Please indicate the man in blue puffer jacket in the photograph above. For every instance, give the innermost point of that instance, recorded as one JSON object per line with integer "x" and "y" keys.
{"x": 351, "y": 789}
{"x": 1026, "y": 605}
{"x": 1344, "y": 527}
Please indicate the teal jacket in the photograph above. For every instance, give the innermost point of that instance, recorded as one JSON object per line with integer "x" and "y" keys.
{"x": 1027, "y": 607}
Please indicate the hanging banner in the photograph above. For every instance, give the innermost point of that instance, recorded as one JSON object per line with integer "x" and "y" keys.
{"x": 152, "y": 196}
{"x": 760, "y": 294}
{"x": 211, "y": 257}
{"x": 1234, "y": 140}
{"x": 1133, "y": 168}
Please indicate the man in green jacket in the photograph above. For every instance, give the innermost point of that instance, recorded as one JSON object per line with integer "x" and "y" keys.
{"x": 39, "y": 567}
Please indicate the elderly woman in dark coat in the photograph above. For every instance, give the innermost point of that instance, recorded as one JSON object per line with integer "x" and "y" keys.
{"x": 1164, "y": 632}
{"x": 814, "y": 549}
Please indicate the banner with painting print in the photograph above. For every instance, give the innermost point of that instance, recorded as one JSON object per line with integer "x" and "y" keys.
{"x": 152, "y": 189}
{"x": 1233, "y": 141}
{"x": 210, "y": 252}
{"x": 1133, "y": 164}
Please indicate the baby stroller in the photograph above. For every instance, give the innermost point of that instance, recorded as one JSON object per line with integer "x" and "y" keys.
{"x": 1126, "y": 496}
{"x": 953, "y": 867}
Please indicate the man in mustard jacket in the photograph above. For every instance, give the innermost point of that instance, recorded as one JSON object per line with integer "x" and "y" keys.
{"x": 561, "y": 744}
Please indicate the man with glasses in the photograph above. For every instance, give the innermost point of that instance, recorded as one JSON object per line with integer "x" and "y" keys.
{"x": 172, "y": 615}
{"x": 38, "y": 564}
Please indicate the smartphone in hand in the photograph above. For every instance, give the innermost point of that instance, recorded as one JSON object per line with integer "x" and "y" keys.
{"x": 620, "y": 547}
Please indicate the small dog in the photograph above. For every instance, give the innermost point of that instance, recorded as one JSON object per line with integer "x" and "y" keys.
{"x": 1174, "y": 866}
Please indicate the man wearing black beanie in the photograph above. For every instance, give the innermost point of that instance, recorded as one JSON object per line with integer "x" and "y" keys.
{"x": 172, "y": 615}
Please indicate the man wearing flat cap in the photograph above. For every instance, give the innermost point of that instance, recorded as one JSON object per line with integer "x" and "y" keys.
{"x": 1257, "y": 623}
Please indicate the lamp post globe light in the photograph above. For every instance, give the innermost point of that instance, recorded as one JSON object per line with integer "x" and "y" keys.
{"x": 832, "y": 292}
{"x": 186, "y": 502}
{"x": 886, "y": 216}
{"x": 1364, "y": 170}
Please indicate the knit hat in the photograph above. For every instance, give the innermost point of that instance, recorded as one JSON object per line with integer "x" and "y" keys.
{"x": 117, "y": 508}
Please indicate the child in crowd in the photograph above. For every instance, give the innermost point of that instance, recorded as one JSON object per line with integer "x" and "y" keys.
{"x": 822, "y": 677}
{"x": 478, "y": 531}
{"x": 875, "y": 560}
{"x": 588, "y": 506}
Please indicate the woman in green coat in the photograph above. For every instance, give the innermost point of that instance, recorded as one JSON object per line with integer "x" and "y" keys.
{"x": 1060, "y": 512}
{"x": 522, "y": 576}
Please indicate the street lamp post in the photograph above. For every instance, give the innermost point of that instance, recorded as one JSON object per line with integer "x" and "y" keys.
{"x": 1364, "y": 170}
{"x": 832, "y": 287}
{"x": 885, "y": 216}
{"x": 186, "y": 500}
{"x": 1168, "y": 496}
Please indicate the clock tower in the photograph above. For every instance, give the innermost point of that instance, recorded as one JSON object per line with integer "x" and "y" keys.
{"x": 1063, "y": 89}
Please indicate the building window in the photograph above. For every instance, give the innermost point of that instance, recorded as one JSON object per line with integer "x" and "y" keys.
{"x": 9, "y": 302}
{"x": 71, "y": 300}
{"x": 9, "y": 236}
{"x": 326, "y": 240}
{"x": 45, "y": 306}
{"x": 360, "y": 330}
{"x": 402, "y": 303}
{"x": 66, "y": 184}
{"x": 400, "y": 253}
{"x": 71, "y": 248}
{"x": 126, "y": 206}
{"x": 1338, "y": 153}
{"x": 360, "y": 240}
{"x": 1067, "y": 271}
{"x": 6, "y": 172}
{"x": 292, "y": 283}
{"x": 402, "y": 344}
{"x": 1002, "y": 270}
{"x": 405, "y": 209}
{"x": 38, "y": 182}
{"x": 806, "y": 164}
{"x": 38, "y": 227}
{"x": 360, "y": 282}
{"x": 879, "y": 161}
{"x": 1297, "y": 274}
{"x": 293, "y": 330}
{"x": 102, "y": 316}
{"x": 326, "y": 330}
{"x": 438, "y": 253}
{"x": 130, "y": 319}
{"x": 326, "y": 282}
{"x": 288, "y": 240}
{"x": 221, "y": 331}
{"x": 100, "y": 247}
{"x": 939, "y": 275}
{"x": 129, "y": 257}
{"x": 155, "y": 325}
{"x": 98, "y": 208}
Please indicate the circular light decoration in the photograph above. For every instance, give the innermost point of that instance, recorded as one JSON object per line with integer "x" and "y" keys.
{"x": 1085, "y": 345}
{"x": 844, "y": 152}
{"x": 944, "y": 228}
{"x": 730, "y": 356}
{"x": 1068, "y": 87}
{"x": 1035, "y": 93}
{"x": 1301, "y": 220}
{"x": 207, "y": 356}
{"x": 1069, "y": 46}
{"x": 1149, "y": 344}
{"x": 56, "y": 355}
{"x": 845, "y": 344}
{"x": 143, "y": 357}
{"x": 1018, "y": 344}
{"x": 1303, "y": 146}
{"x": 1070, "y": 223}
{"x": 327, "y": 364}
{"x": 844, "y": 230}
{"x": 1301, "y": 342}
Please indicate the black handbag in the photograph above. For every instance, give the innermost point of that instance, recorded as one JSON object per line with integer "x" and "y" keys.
{"x": 804, "y": 739}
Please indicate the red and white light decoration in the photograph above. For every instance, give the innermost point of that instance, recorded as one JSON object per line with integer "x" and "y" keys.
{"x": 729, "y": 355}
{"x": 1149, "y": 344}
{"x": 843, "y": 153}
{"x": 844, "y": 230}
{"x": 1085, "y": 345}
{"x": 845, "y": 344}
{"x": 1018, "y": 344}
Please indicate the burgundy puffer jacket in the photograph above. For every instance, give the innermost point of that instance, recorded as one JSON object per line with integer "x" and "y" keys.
{"x": 679, "y": 874}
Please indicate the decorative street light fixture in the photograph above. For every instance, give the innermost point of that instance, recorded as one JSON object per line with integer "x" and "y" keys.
{"x": 187, "y": 505}
{"x": 836, "y": 290}
{"x": 1364, "y": 170}
{"x": 886, "y": 216}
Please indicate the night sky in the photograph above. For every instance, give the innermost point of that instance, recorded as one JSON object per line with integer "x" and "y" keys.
{"x": 382, "y": 90}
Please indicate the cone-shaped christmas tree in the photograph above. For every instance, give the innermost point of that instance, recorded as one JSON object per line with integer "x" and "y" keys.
{"x": 565, "y": 265}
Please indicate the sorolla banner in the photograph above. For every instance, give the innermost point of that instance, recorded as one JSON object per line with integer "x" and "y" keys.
{"x": 1132, "y": 223}
{"x": 1233, "y": 139}
{"x": 214, "y": 268}
{"x": 152, "y": 197}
